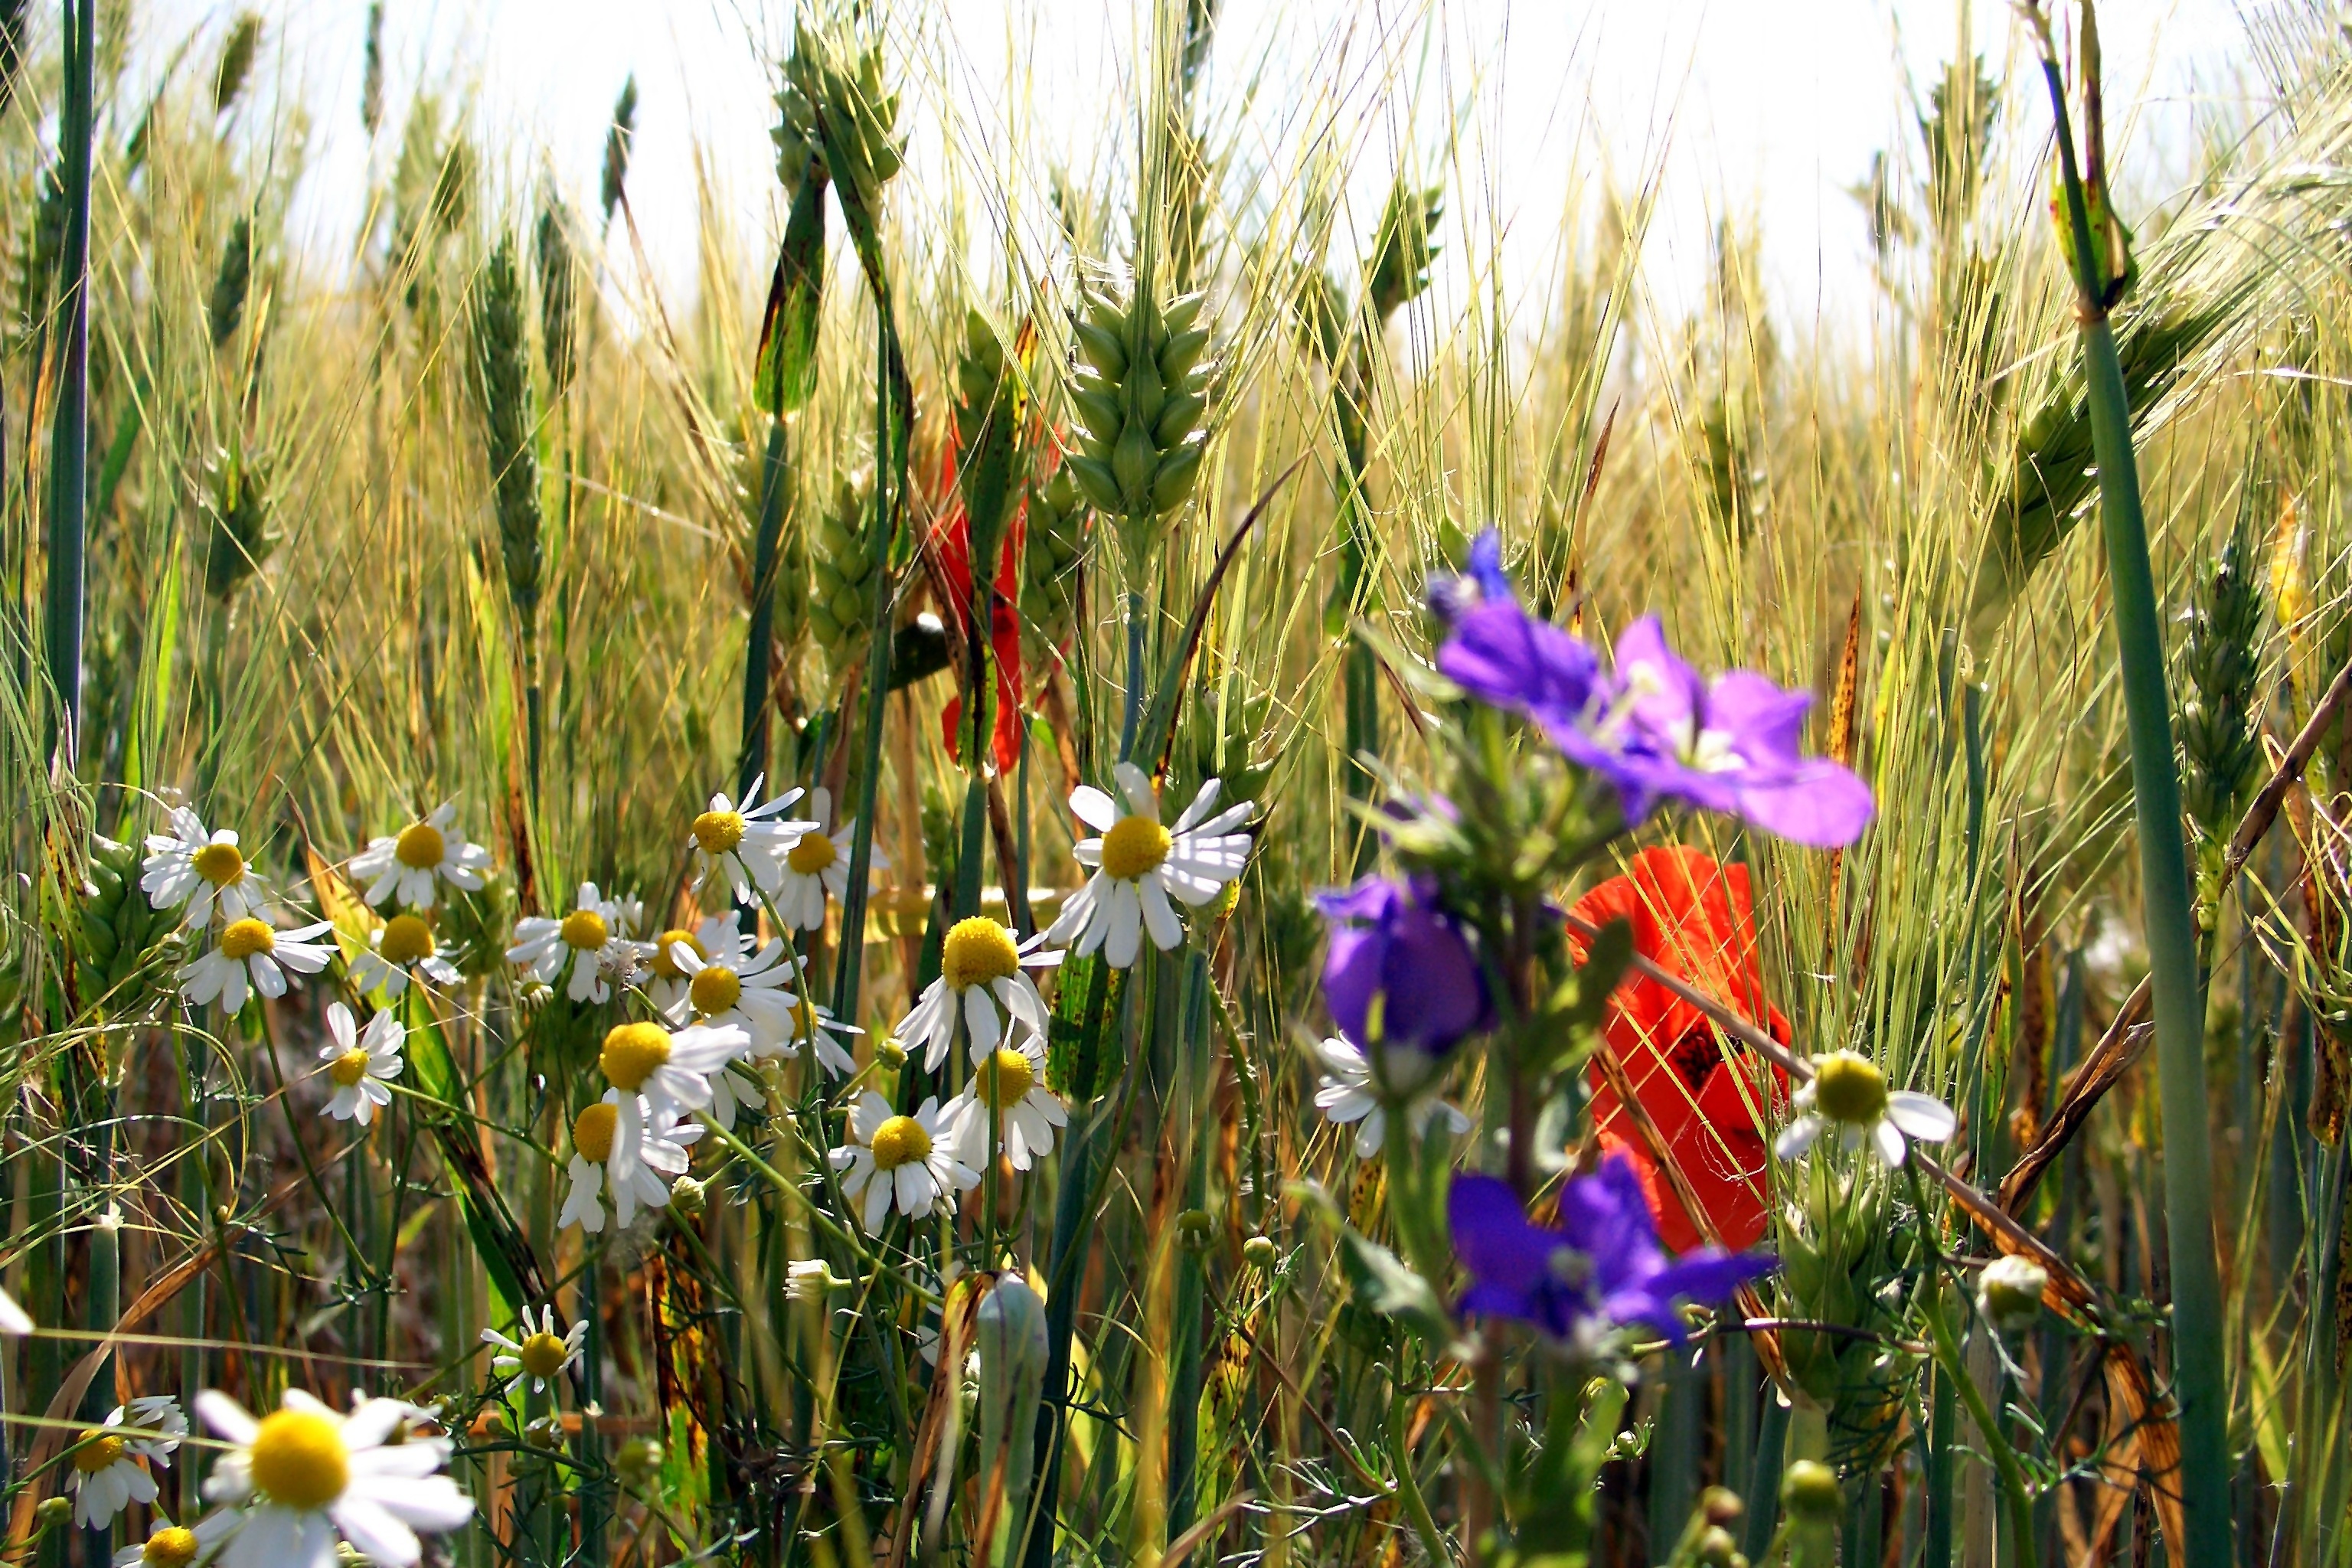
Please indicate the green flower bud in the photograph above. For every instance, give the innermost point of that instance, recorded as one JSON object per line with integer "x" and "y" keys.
{"x": 1810, "y": 1492}
{"x": 638, "y": 1461}
{"x": 1259, "y": 1252}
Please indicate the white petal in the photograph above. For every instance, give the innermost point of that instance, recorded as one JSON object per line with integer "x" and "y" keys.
{"x": 1889, "y": 1141}
{"x": 1797, "y": 1137}
{"x": 1921, "y": 1115}
{"x": 227, "y": 1418}
{"x": 378, "y": 1536}
{"x": 1158, "y": 916}
{"x": 1123, "y": 939}
{"x": 1094, "y": 808}
{"x": 1136, "y": 785}
{"x": 1200, "y": 805}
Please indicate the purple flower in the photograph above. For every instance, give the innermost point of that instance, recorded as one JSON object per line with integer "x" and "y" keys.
{"x": 1601, "y": 1269}
{"x": 1481, "y": 582}
{"x": 1729, "y": 745}
{"x": 1653, "y": 727}
{"x": 1390, "y": 944}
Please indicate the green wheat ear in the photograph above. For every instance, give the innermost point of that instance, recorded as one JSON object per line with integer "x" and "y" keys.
{"x": 1049, "y": 564}
{"x": 1139, "y": 401}
{"x": 239, "y": 535}
{"x": 558, "y": 272}
{"x": 502, "y": 371}
{"x": 232, "y": 282}
{"x": 2221, "y": 663}
{"x": 840, "y": 574}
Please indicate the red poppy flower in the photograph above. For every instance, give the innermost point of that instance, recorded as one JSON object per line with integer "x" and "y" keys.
{"x": 951, "y": 543}
{"x": 1696, "y": 921}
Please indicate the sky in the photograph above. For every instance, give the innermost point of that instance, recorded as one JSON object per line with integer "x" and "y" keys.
{"x": 1767, "y": 108}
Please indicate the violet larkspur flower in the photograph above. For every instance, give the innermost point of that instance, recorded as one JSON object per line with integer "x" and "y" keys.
{"x": 1600, "y": 1270}
{"x": 1653, "y": 727}
{"x": 1481, "y": 579}
{"x": 1389, "y": 945}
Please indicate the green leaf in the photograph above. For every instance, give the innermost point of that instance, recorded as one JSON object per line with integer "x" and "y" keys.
{"x": 784, "y": 374}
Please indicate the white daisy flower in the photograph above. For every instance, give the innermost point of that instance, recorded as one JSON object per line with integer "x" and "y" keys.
{"x": 542, "y": 1354}
{"x": 1848, "y": 1092}
{"x": 401, "y": 949}
{"x": 251, "y": 953}
{"x": 744, "y": 844}
{"x": 303, "y": 1475}
{"x": 661, "y": 1075}
{"x": 726, "y": 990}
{"x": 660, "y": 1154}
{"x": 817, "y": 863}
{"x": 1348, "y": 1092}
{"x": 360, "y": 1063}
{"x": 666, "y": 984}
{"x": 406, "y": 869}
{"x": 1139, "y": 863}
{"x": 1008, "y": 1088}
{"x": 981, "y": 966}
{"x": 180, "y": 1546}
{"x": 591, "y": 942}
{"x": 907, "y": 1159}
{"x": 189, "y": 866}
{"x": 106, "y": 1474}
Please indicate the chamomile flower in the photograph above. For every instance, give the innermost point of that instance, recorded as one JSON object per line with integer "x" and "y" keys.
{"x": 1140, "y": 865}
{"x": 407, "y": 868}
{"x": 744, "y": 844}
{"x": 726, "y": 988}
{"x": 303, "y": 1475}
{"x": 908, "y": 1159}
{"x": 253, "y": 954}
{"x": 661, "y": 1075}
{"x": 592, "y": 942}
{"x": 542, "y": 1354}
{"x": 817, "y": 863}
{"x": 1848, "y": 1092}
{"x": 1348, "y": 1092}
{"x": 106, "y": 1474}
{"x": 360, "y": 1063}
{"x": 1009, "y": 1091}
{"x": 660, "y": 1155}
{"x": 180, "y": 1546}
{"x": 980, "y": 972}
{"x": 810, "y": 1280}
{"x": 198, "y": 869}
{"x": 400, "y": 949}
{"x": 715, "y": 935}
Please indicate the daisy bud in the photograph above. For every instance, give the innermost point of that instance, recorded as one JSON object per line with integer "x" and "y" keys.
{"x": 891, "y": 1054}
{"x": 1717, "y": 1550}
{"x": 1259, "y": 1252}
{"x": 688, "y": 1197}
{"x": 2008, "y": 1291}
{"x": 54, "y": 1512}
{"x": 638, "y": 1461}
{"x": 1810, "y": 1492}
{"x": 1721, "y": 1505}
{"x": 1196, "y": 1230}
{"x": 546, "y": 1432}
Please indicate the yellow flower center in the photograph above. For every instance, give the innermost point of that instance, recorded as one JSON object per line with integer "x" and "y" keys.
{"x": 405, "y": 939}
{"x": 240, "y": 939}
{"x": 585, "y": 929}
{"x": 298, "y": 1460}
{"x": 543, "y": 1354}
{"x": 420, "y": 847}
{"x": 1133, "y": 845}
{"x": 349, "y": 1067}
{"x": 174, "y": 1546}
{"x": 976, "y": 951}
{"x": 813, "y": 854}
{"x": 1849, "y": 1088}
{"x": 718, "y": 831}
{"x": 714, "y": 991}
{"x": 1005, "y": 1078}
{"x": 631, "y": 1053}
{"x": 592, "y": 1133}
{"x": 664, "y": 964}
{"x": 219, "y": 864}
{"x": 99, "y": 1449}
{"x": 900, "y": 1141}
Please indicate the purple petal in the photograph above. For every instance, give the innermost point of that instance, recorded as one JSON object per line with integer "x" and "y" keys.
{"x": 1370, "y": 899}
{"x": 1671, "y": 693}
{"x": 1509, "y": 659}
{"x": 1815, "y": 803}
{"x": 1767, "y": 725}
{"x": 1497, "y": 1244}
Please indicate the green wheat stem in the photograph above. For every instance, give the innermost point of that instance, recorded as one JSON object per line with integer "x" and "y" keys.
{"x": 760, "y": 642}
{"x": 70, "y": 438}
{"x": 2168, "y": 909}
